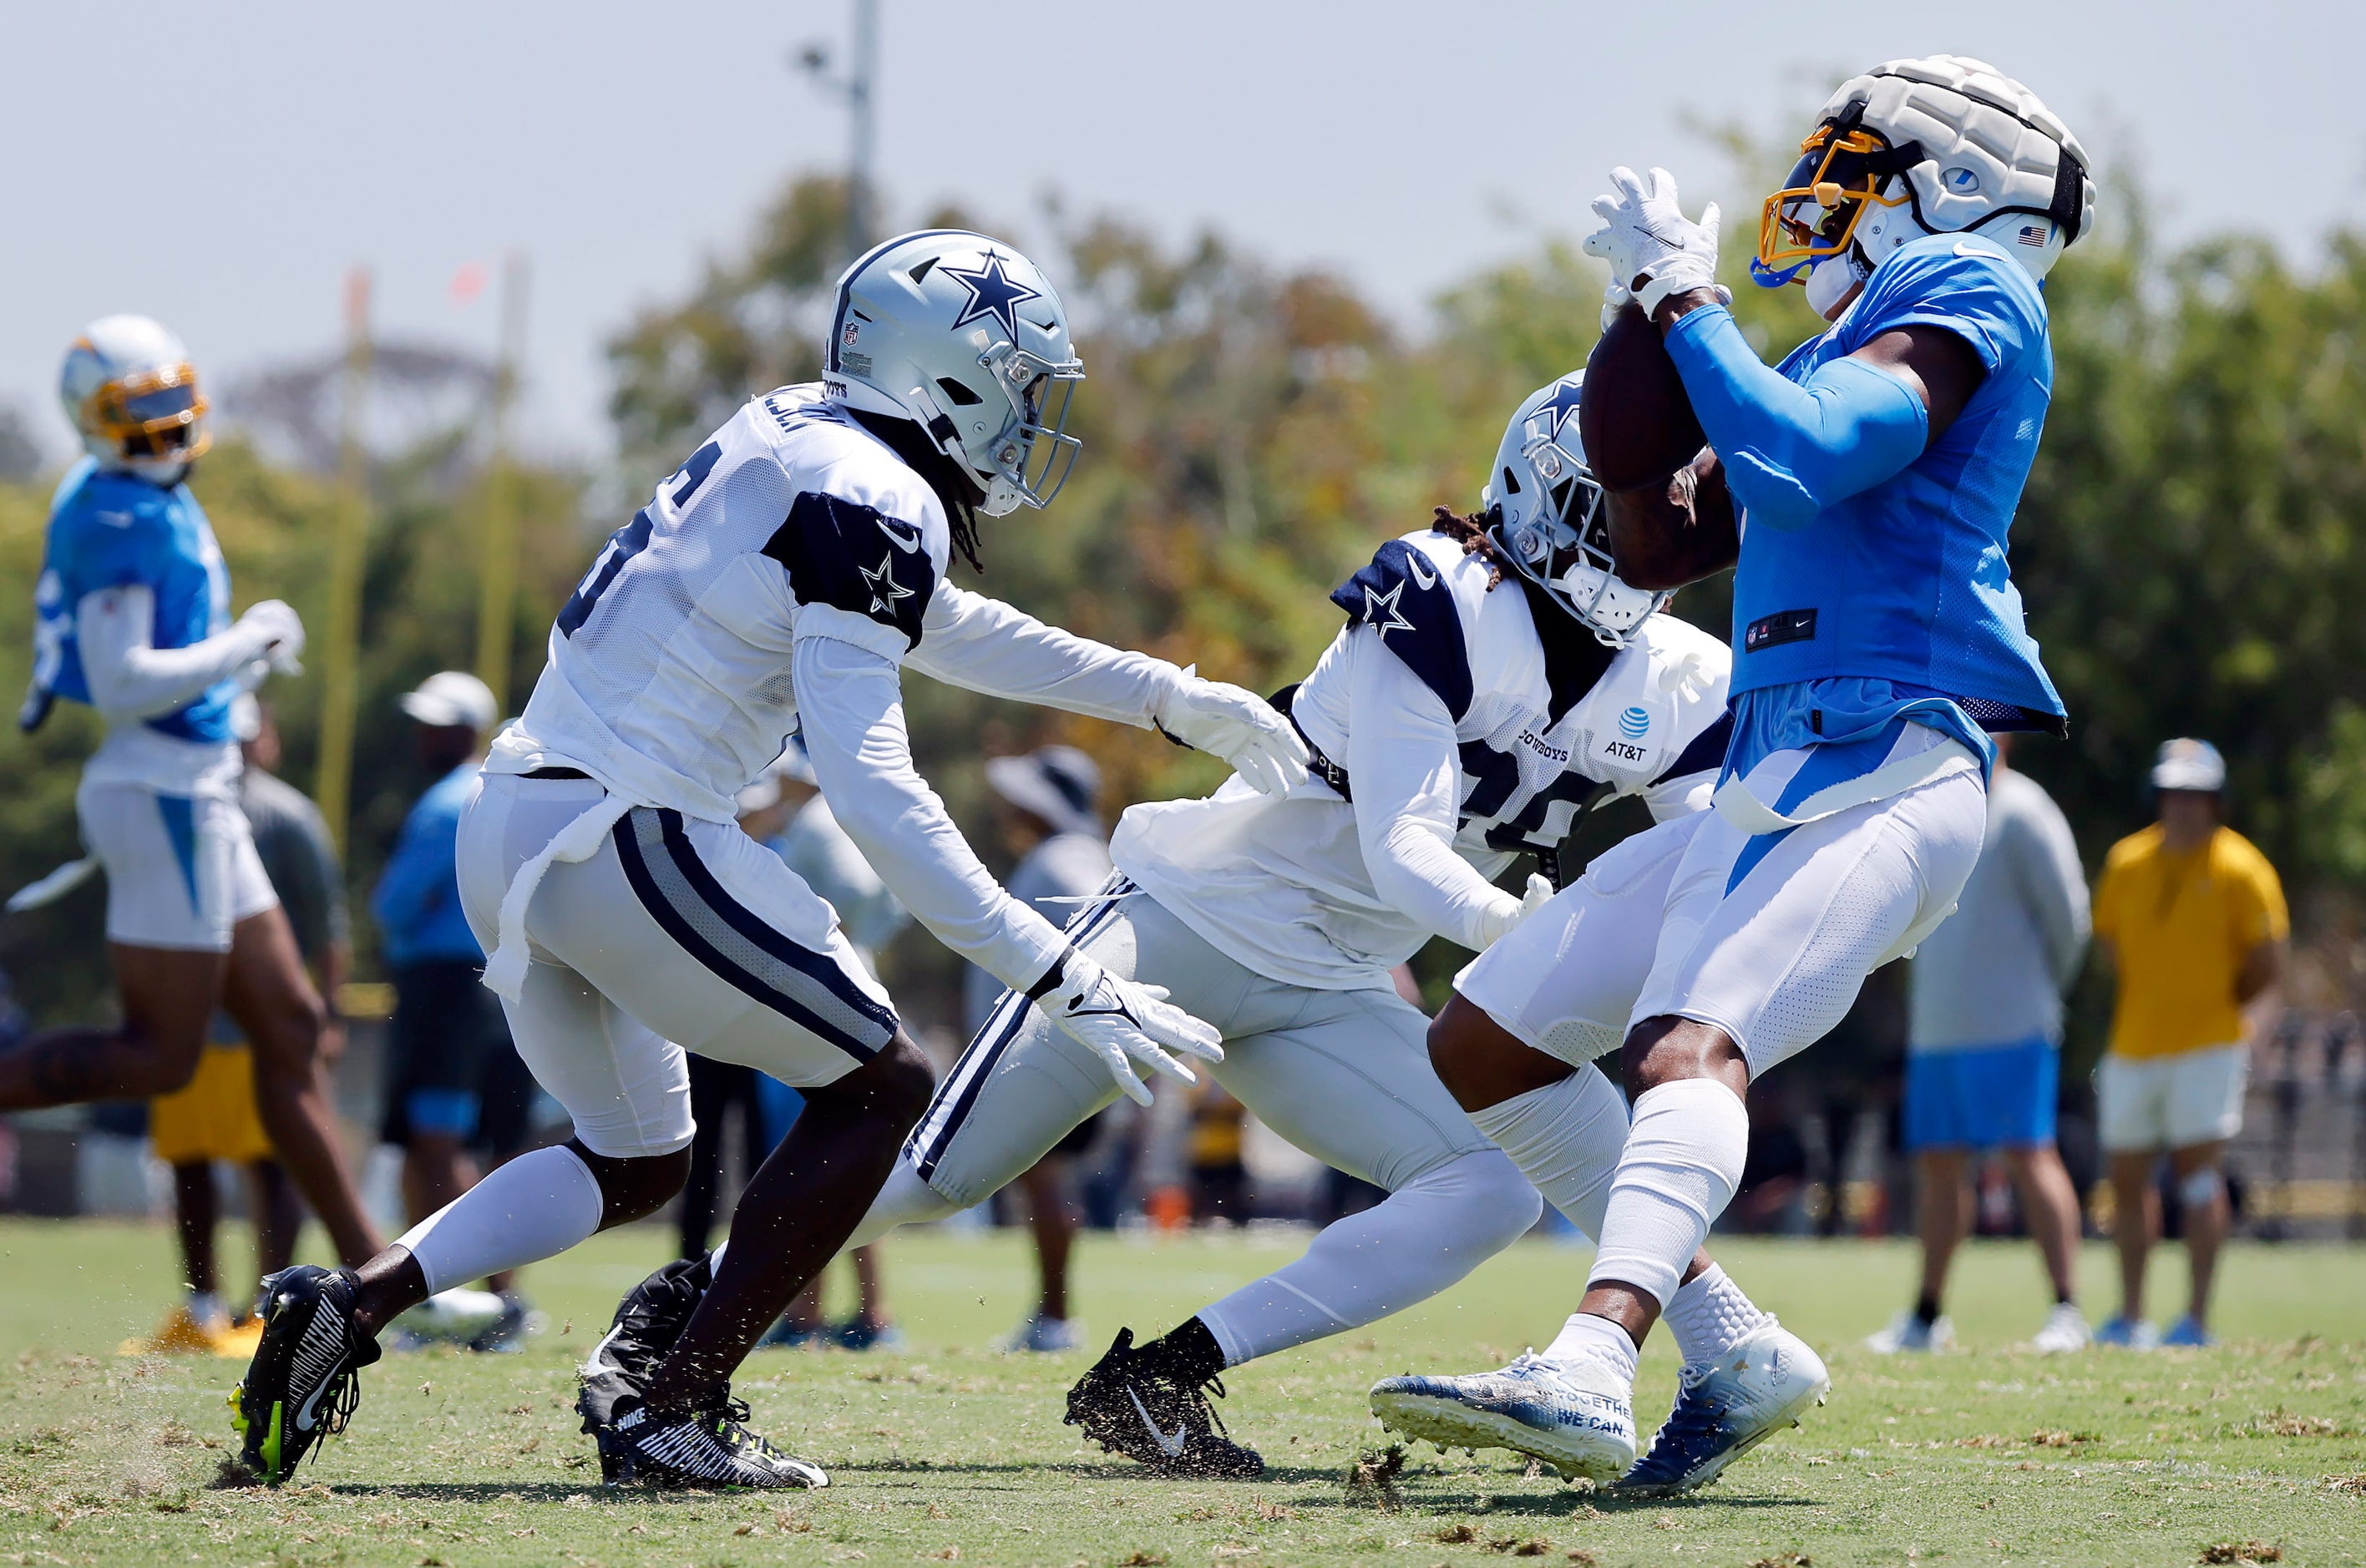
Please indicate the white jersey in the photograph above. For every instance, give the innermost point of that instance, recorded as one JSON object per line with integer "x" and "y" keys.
{"x": 1456, "y": 726}
{"x": 777, "y": 582}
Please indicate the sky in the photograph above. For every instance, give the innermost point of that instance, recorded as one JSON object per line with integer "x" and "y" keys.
{"x": 223, "y": 174}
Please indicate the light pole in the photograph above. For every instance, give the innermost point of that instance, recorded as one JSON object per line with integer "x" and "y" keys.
{"x": 854, "y": 89}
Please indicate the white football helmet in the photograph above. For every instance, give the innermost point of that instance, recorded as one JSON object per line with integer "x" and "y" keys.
{"x": 965, "y": 337}
{"x": 1946, "y": 145}
{"x": 1547, "y": 516}
{"x": 130, "y": 389}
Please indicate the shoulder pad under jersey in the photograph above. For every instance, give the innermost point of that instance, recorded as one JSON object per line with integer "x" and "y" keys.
{"x": 1406, "y": 596}
{"x": 856, "y": 558}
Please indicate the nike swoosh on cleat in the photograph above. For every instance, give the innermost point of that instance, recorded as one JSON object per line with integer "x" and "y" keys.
{"x": 1172, "y": 1447}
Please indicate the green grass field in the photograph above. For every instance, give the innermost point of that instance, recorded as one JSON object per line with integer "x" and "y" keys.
{"x": 948, "y": 1451}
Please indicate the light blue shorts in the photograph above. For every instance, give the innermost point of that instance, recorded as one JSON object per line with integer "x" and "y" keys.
{"x": 1982, "y": 1097}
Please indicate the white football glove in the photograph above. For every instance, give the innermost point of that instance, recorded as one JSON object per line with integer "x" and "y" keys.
{"x": 278, "y": 634}
{"x": 1119, "y": 1020}
{"x": 1236, "y": 724}
{"x": 1645, "y": 234}
{"x": 1503, "y": 919}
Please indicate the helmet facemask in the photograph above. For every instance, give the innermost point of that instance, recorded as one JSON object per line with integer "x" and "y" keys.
{"x": 154, "y": 420}
{"x": 1563, "y": 544}
{"x": 1028, "y": 458}
{"x": 1842, "y": 173}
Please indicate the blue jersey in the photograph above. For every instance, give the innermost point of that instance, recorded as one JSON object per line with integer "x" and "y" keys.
{"x": 417, "y": 901}
{"x": 1907, "y": 581}
{"x": 110, "y": 530}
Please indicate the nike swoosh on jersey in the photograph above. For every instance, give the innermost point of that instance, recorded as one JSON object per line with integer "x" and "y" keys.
{"x": 905, "y": 536}
{"x": 1421, "y": 570}
{"x": 1171, "y": 1446}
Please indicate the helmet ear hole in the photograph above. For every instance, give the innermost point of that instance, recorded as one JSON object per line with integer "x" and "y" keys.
{"x": 1511, "y": 483}
{"x": 960, "y": 396}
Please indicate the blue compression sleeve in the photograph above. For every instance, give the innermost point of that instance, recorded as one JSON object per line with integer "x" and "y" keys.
{"x": 1792, "y": 449}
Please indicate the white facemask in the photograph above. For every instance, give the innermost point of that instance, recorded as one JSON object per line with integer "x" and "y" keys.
{"x": 1829, "y": 280}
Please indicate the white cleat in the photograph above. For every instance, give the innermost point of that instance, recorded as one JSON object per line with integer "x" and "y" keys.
{"x": 1576, "y": 1416}
{"x": 1910, "y": 1334}
{"x": 1726, "y": 1407}
{"x": 2065, "y": 1331}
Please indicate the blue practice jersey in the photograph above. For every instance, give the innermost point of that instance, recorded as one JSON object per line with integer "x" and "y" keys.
{"x": 1907, "y": 581}
{"x": 110, "y": 530}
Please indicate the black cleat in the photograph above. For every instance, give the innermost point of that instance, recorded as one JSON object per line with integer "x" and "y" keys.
{"x": 647, "y": 1322}
{"x": 1133, "y": 1403}
{"x": 708, "y": 1448}
{"x": 302, "y": 1385}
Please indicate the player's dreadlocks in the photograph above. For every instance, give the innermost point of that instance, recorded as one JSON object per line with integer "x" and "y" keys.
{"x": 1471, "y": 532}
{"x": 956, "y": 489}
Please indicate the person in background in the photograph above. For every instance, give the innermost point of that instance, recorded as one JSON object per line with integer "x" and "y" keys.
{"x": 448, "y": 1039}
{"x": 132, "y": 619}
{"x": 2191, "y": 917}
{"x": 214, "y": 1118}
{"x": 813, "y": 847}
{"x": 1984, "y": 1049}
{"x": 1047, "y": 813}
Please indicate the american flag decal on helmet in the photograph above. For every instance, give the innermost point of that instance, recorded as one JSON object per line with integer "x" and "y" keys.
{"x": 2035, "y": 234}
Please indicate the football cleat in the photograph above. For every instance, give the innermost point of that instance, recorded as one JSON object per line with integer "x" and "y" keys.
{"x": 1576, "y": 1416}
{"x": 2187, "y": 1334}
{"x": 708, "y": 1448}
{"x": 1132, "y": 1403}
{"x": 1910, "y": 1334}
{"x": 1727, "y": 1406}
{"x": 647, "y": 1322}
{"x": 2064, "y": 1331}
{"x": 302, "y": 1385}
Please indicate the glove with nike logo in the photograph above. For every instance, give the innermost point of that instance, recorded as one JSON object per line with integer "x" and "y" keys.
{"x": 1123, "y": 1023}
{"x": 1645, "y": 235}
{"x": 1236, "y": 724}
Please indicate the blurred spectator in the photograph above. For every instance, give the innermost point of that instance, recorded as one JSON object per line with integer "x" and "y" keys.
{"x": 1984, "y": 1043}
{"x": 1047, "y": 808}
{"x": 2192, "y": 917}
{"x": 454, "y": 1083}
{"x": 784, "y": 811}
{"x": 214, "y": 1118}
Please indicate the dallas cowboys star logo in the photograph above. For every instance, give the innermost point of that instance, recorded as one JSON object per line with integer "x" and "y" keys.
{"x": 1557, "y": 410}
{"x": 992, "y": 292}
{"x": 885, "y": 590}
{"x": 1376, "y": 603}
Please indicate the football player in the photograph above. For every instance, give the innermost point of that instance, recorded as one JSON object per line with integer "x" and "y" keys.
{"x": 132, "y": 611}
{"x": 778, "y": 581}
{"x": 1494, "y": 678}
{"x": 1877, "y": 636}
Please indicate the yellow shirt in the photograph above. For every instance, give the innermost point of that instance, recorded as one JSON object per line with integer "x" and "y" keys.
{"x": 2181, "y": 927}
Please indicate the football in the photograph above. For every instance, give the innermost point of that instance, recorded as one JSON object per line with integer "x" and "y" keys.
{"x": 1635, "y": 421}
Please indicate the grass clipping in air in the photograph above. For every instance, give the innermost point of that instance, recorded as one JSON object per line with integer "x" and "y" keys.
{"x": 950, "y": 1452}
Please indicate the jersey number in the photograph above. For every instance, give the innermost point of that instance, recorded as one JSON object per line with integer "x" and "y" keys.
{"x": 633, "y": 537}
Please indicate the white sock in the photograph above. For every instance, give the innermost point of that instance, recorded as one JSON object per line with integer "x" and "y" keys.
{"x": 536, "y": 1206}
{"x": 1587, "y": 1337}
{"x": 206, "y": 1308}
{"x": 1709, "y": 1313}
{"x": 1430, "y": 1233}
{"x": 1683, "y": 1161}
{"x": 1566, "y": 1139}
